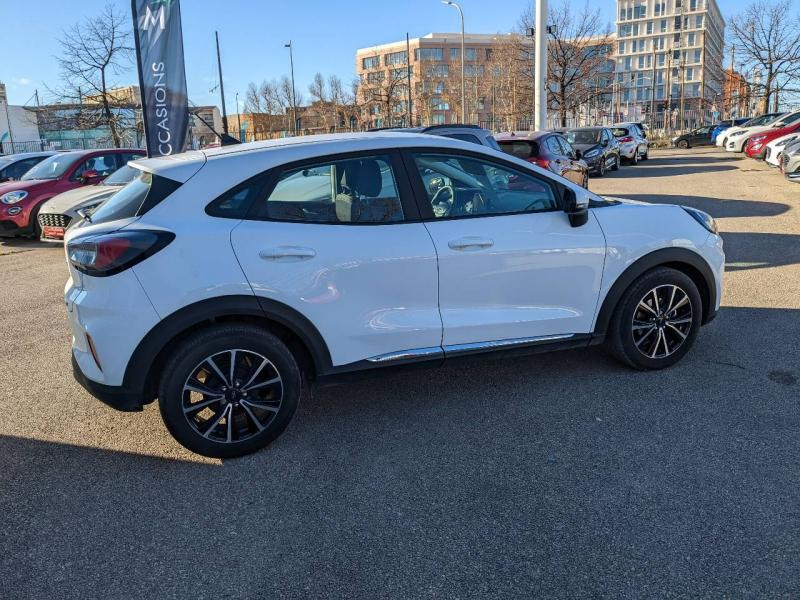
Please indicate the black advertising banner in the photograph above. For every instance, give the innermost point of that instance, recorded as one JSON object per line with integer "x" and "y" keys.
{"x": 162, "y": 77}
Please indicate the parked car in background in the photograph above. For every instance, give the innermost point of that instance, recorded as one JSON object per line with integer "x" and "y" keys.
{"x": 14, "y": 166}
{"x": 60, "y": 212}
{"x": 789, "y": 148}
{"x": 756, "y": 145}
{"x": 758, "y": 121}
{"x": 696, "y": 137}
{"x": 21, "y": 200}
{"x": 548, "y": 150}
{"x": 217, "y": 282}
{"x": 737, "y": 140}
{"x": 772, "y": 155}
{"x": 633, "y": 146}
{"x": 790, "y": 163}
{"x": 465, "y": 133}
{"x": 597, "y": 147}
{"x": 726, "y": 124}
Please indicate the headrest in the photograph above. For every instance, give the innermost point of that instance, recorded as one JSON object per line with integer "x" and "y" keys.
{"x": 363, "y": 177}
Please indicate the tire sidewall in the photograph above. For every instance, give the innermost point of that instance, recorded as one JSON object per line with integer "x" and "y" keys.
{"x": 218, "y": 339}
{"x": 623, "y": 319}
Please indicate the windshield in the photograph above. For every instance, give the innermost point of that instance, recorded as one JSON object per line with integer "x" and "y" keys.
{"x": 51, "y": 168}
{"x": 121, "y": 176}
{"x": 583, "y": 136}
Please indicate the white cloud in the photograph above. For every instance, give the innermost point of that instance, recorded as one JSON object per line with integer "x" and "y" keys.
{"x": 21, "y": 80}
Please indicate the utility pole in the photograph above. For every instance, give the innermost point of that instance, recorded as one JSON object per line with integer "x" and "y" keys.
{"x": 238, "y": 117}
{"x": 463, "y": 82}
{"x": 540, "y": 73}
{"x": 294, "y": 97}
{"x": 408, "y": 82}
{"x": 222, "y": 89}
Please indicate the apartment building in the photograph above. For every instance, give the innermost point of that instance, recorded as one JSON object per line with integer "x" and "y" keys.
{"x": 668, "y": 55}
{"x": 435, "y": 76}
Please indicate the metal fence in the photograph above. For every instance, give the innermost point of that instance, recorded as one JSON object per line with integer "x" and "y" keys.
{"x": 64, "y": 144}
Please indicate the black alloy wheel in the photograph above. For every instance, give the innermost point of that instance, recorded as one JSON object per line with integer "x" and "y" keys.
{"x": 657, "y": 320}
{"x": 229, "y": 390}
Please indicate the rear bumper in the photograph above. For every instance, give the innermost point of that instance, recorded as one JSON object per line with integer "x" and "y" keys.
{"x": 118, "y": 397}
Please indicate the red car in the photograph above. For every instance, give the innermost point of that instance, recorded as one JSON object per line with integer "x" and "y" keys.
{"x": 756, "y": 146}
{"x": 20, "y": 200}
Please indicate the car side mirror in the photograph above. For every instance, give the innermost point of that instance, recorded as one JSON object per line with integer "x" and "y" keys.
{"x": 578, "y": 154}
{"x": 90, "y": 177}
{"x": 577, "y": 207}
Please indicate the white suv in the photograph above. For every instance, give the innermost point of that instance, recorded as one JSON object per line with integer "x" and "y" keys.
{"x": 223, "y": 282}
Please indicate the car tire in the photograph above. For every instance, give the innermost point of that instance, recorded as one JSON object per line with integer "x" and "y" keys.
{"x": 586, "y": 181}
{"x": 601, "y": 170}
{"x": 646, "y": 154}
{"x": 36, "y": 230}
{"x": 674, "y": 320}
{"x": 634, "y": 160}
{"x": 683, "y": 144}
{"x": 229, "y": 412}
{"x": 615, "y": 166}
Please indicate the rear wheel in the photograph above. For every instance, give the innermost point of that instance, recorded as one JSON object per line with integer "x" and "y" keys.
{"x": 229, "y": 390}
{"x": 634, "y": 160}
{"x": 646, "y": 154}
{"x": 656, "y": 321}
{"x": 615, "y": 166}
{"x": 683, "y": 144}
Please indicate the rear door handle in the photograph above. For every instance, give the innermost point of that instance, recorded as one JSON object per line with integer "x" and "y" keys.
{"x": 470, "y": 243}
{"x": 287, "y": 253}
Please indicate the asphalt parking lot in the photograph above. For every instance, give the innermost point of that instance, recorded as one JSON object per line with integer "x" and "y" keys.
{"x": 561, "y": 475}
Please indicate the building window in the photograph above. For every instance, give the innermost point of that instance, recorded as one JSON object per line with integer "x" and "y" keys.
{"x": 481, "y": 103}
{"x": 473, "y": 71}
{"x": 689, "y": 74}
{"x": 470, "y": 53}
{"x": 677, "y": 23}
{"x": 649, "y": 27}
{"x": 489, "y": 53}
{"x": 439, "y": 104}
{"x": 439, "y": 71}
{"x": 395, "y": 58}
{"x": 400, "y": 73}
{"x": 370, "y": 62}
{"x": 663, "y": 25}
{"x": 622, "y": 47}
{"x": 455, "y": 53}
{"x": 697, "y": 56}
{"x": 429, "y": 54}
{"x": 691, "y": 39}
{"x": 692, "y": 4}
{"x": 375, "y": 77}
{"x": 639, "y": 12}
{"x": 438, "y": 119}
{"x": 698, "y": 21}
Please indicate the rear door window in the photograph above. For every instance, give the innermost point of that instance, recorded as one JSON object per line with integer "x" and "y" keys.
{"x": 355, "y": 190}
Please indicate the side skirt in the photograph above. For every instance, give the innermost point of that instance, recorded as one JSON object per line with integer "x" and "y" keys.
{"x": 436, "y": 357}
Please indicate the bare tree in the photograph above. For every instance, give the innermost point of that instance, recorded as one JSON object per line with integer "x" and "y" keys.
{"x": 579, "y": 47}
{"x": 767, "y": 37}
{"x": 93, "y": 53}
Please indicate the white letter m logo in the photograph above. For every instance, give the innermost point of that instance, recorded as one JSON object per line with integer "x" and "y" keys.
{"x": 151, "y": 19}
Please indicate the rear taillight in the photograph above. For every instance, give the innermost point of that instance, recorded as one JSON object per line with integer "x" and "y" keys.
{"x": 541, "y": 162}
{"x": 627, "y": 138}
{"x": 110, "y": 253}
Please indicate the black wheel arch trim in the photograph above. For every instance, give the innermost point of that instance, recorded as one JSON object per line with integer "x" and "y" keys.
{"x": 137, "y": 376}
{"x": 666, "y": 257}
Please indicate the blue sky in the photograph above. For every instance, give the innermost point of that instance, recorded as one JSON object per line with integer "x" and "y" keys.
{"x": 325, "y": 34}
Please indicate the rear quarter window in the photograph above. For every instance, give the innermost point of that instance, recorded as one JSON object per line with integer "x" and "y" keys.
{"x": 143, "y": 193}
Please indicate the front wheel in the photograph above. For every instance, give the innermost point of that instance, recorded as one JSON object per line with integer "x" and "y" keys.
{"x": 656, "y": 321}
{"x": 683, "y": 144}
{"x": 615, "y": 166}
{"x": 601, "y": 170}
{"x": 229, "y": 390}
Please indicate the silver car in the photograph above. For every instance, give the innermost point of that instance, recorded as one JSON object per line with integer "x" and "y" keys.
{"x": 633, "y": 144}
{"x": 62, "y": 211}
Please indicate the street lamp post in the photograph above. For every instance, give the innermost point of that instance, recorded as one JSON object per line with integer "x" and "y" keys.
{"x": 294, "y": 99}
{"x": 540, "y": 73}
{"x": 463, "y": 88}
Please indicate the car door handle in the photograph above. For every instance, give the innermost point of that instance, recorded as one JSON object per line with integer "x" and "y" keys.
{"x": 287, "y": 253}
{"x": 470, "y": 243}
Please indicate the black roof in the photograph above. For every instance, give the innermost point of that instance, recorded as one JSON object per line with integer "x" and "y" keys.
{"x": 427, "y": 128}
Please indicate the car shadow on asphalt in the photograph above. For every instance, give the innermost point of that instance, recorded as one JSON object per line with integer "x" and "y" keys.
{"x": 716, "y": 207}
{"x": 567, "y": 454}
{"x": 674, "y": 168}
{"x": 20, "y": 243}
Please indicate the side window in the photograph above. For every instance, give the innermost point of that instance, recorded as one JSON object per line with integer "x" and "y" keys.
{"x": 357, "y": 190}
{"x": 459, "y": 186}
{"x": 464, "y": 137}
{"x": 126, "y": 157}
{"x": 552, "y": 145}
{"x": 104, "y": 165}
{"x": 566, "y": 148}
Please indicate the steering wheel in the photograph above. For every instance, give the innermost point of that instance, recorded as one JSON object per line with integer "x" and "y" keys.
{"x": 469, "y": 201}
{"x": 445, "y": 203}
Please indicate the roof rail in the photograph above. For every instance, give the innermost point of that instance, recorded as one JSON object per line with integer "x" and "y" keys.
{"x": 451, "y": 125}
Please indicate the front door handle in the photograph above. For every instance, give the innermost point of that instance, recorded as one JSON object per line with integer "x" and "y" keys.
{"x": 470, "y": 243}
{"x": 287, "y": 253}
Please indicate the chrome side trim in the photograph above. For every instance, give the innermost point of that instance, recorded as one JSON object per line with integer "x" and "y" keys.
{"x": 414, "y": 353}
{"x": 499, "y": 344}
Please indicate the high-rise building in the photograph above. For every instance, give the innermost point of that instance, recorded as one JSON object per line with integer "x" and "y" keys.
{"x": 668, "y": 56}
